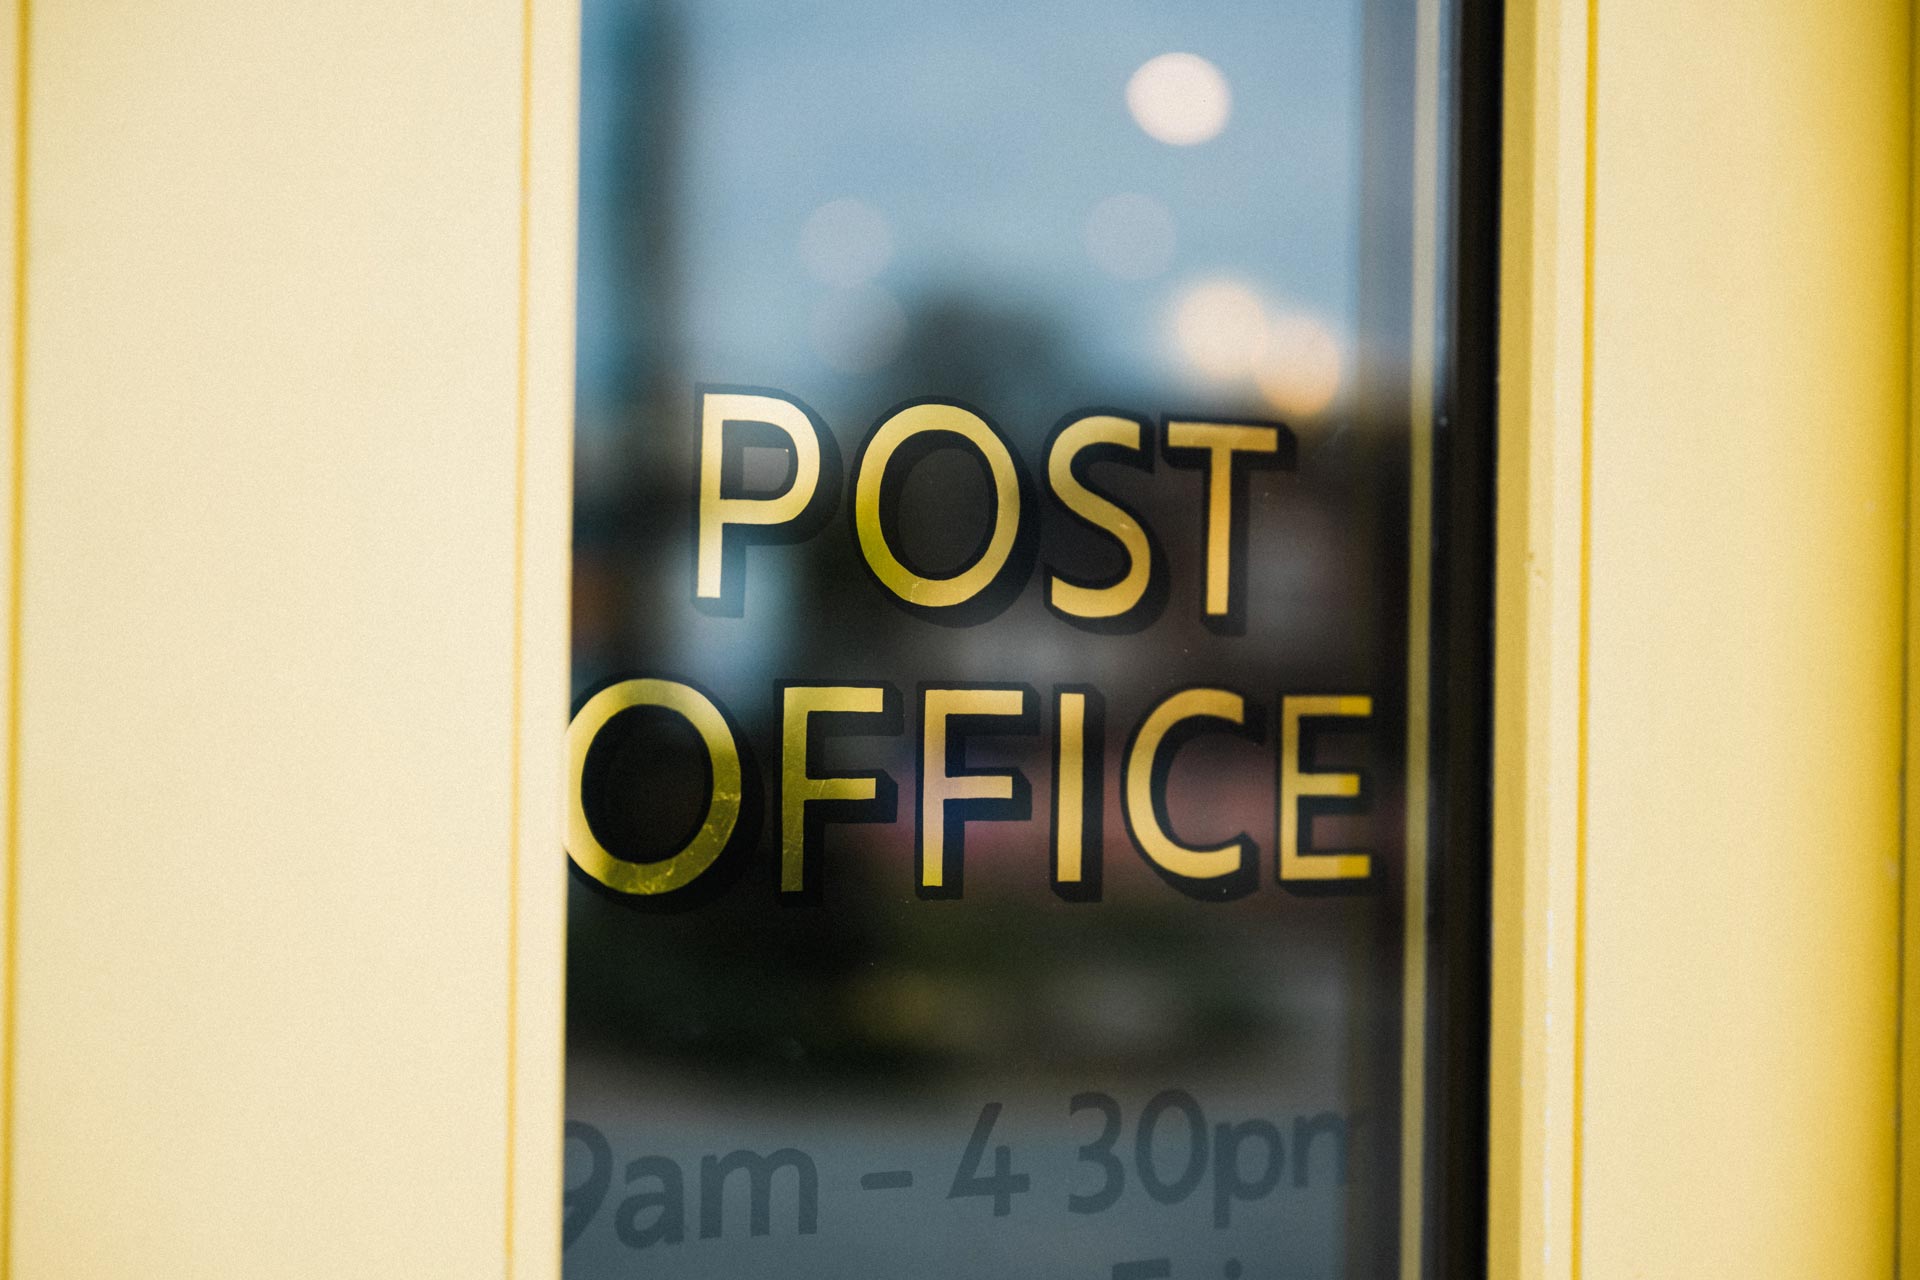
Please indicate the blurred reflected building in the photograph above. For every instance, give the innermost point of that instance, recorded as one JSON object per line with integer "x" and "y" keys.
{"x": 862, "y": 204}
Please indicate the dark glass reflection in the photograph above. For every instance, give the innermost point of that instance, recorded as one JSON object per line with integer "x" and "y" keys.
{"x": 1018, "y": 208}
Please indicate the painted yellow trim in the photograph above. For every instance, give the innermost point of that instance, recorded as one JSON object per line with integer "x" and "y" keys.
{"x": 1907, "y": 1135}
{"x": 516, "y": 752}
{"x": 15, "y": 581}
{"x": 1576, "y": 1174}
{"x": 1537, "y": 640}
{"x": 1701, "y": 531}
{"x": 550, "y": 140}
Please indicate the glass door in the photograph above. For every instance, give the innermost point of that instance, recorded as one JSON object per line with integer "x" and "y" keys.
{"x": 1027, "y": 780}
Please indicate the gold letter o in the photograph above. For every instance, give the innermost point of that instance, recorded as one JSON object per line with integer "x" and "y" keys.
{"x": 723, "y": 805}
{"x": 917, "y": 419}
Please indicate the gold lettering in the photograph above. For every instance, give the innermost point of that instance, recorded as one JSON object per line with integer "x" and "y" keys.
{"x": 1069, "y": 787}
{"x": 723, "y": 804}
{"x": 1109, "y": 601}
{"x": 919, "y": 419}
{"x": 938, "y": 788}
{"x": 716, "y": 513}
{"x": 798, "y": 787}
{"x": 1295, "y": 784}
{"x": 1145, "y": 783}
{"x": 1221, "y": 441}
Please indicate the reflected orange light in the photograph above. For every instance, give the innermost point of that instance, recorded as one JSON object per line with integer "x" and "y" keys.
{"x": 1219, "y": 328}
{"x": 1300, "y": 366}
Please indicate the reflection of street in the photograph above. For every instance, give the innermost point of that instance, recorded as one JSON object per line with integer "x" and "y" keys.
{"x": 738, "y": 1040}
{"x": 885, "y": 985}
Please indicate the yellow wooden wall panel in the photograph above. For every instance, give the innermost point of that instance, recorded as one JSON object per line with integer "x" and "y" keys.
{"x": 1727, "y": 1043}
{"x": 1749, "y": 404}
{"x": 552, "y": 149}
{"x": 296, "y": 381}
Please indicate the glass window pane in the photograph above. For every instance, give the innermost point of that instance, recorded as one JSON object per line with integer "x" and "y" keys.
{"x": 1025, "y": 730}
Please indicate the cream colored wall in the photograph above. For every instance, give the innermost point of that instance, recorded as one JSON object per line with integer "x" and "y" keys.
{"x": 1702, "y": 603}
{"x": 288, "y": 637}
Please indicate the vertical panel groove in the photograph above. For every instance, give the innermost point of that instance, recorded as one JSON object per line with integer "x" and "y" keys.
{"x": 1576, "y": 1174}
{"x": 1903, "y": 986}
{"x": 15, "y": 584}
{"x": 519, "y": 622}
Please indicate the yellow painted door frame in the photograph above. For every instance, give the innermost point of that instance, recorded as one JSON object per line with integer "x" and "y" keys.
{"x": 1700, "y": 639}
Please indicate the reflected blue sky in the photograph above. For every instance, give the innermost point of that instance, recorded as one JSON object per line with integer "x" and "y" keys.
{"x": 985, "y": 135}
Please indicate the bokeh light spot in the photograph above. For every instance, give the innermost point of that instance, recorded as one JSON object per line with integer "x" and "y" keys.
{"x": 1300, "y": 366}
{"x": 1180, "y": 99}
{"x": 1219, "y": 329}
